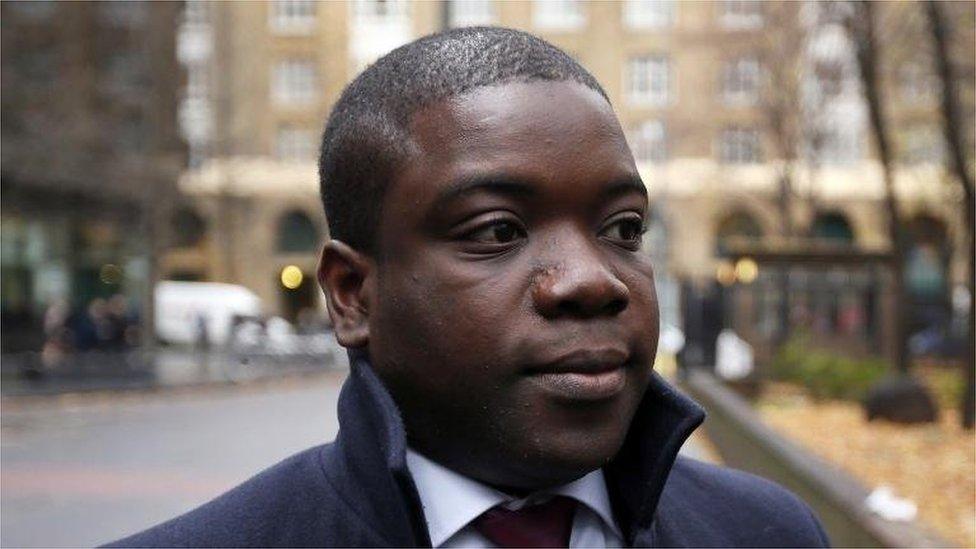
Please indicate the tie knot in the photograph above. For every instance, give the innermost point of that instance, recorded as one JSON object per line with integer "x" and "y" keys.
{"x": 546, "y": 524}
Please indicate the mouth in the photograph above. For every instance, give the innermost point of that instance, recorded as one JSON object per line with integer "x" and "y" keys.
{"x": 584, "y": 375}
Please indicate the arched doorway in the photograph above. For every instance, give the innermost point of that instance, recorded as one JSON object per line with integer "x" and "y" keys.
{"x": 189, "y": 228}
{"x": 296, "y": 233}
{"x": 736, "y": 227}
{"x": 832, "y": 227}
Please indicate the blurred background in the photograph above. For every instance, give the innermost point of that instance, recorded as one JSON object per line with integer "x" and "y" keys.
{"x": 810, "y": 174}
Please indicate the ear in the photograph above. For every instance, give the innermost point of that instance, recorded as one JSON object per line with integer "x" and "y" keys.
{"x": 343, "y": 275}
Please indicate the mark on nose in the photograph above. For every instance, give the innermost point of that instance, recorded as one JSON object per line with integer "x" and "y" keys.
{"x": 579, "y": 291}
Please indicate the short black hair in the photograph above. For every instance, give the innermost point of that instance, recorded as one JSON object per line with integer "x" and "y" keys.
{"x": 367, "y": 139}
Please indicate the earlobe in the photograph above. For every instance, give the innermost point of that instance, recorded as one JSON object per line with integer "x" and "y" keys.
{"x": 343, "y": 275}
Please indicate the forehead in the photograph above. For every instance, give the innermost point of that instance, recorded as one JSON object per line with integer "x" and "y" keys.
{"x": 545, "y": 132}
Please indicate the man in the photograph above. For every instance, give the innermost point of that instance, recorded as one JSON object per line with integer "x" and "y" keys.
{"x": 487, "y": 279}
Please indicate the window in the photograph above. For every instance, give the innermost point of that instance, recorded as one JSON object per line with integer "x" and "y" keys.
{"x": 196, "y": 12}
{"x": 648, "y": 142}
{"x": 292, "y": 16}
{"x": 37, "y": 10}
{"x": 839, "y": 145}
{"x": 125, "y": 72}
{"x": 295, "y": 144}
{"x": 196, "y": 122}
{"x": 380, "y": 11}
{"x": 131, "y": 134}
{"x": 194, "y": 110}
{"x": 124, "y": 14}
{"x": 558, "y": 14}
{"x": 294, "y": 82}
{"x": 739, "y": 146}
{"x": 648, "y": 14}
{"x": 740, "y": 81}
{"x": 649, "y": 80}
{"x": 467, "y": 13}
{"x": 197, "y": 82}
{"x": 194, "y": 43}
{"x": 922, "y": 145}
{"x": 741, "y": 14}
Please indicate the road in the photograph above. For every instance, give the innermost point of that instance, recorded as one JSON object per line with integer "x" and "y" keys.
{"x": 84, "y": 470}
{"x": 81, "y": 470}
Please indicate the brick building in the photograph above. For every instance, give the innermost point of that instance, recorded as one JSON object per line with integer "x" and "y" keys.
{"x": 722, "y": 101}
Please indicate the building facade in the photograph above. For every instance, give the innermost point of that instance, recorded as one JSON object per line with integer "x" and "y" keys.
{"x": 91, "y": 154}
{"x": 745, "y": 118}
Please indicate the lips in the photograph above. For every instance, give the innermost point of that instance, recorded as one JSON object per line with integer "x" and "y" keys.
{"x": 583, "y": 374}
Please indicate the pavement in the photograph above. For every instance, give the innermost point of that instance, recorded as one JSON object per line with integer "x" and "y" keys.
{"x": 82, "y": 470}
{"x": 86, "y": 468}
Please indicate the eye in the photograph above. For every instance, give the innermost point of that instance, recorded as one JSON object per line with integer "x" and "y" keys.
{"x": 497, "y": 232}
{"x": 491, "y": 235}
{"x": 625, "y": 230}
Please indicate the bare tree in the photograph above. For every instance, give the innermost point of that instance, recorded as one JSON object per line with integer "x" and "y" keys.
{"x": 863, "y": 32}
{"x": 952, "y": 117}
{"x": 780, "y": 55}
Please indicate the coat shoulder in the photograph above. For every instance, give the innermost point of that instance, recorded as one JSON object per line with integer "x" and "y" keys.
{"x": 735, "y": 508}
{"x": 288, "y": 504}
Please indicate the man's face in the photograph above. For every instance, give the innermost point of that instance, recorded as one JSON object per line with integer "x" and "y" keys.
{"x": 513, "y": 316}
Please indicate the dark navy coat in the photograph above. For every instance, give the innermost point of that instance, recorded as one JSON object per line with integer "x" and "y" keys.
{"x": 358, "y": 492}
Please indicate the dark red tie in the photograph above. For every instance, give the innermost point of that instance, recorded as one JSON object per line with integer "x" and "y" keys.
{"x": 547, "y": 524}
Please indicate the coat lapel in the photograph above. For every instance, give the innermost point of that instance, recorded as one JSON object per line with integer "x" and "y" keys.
{"x": 371, "y": 469}
{"x": 637, "y": 474}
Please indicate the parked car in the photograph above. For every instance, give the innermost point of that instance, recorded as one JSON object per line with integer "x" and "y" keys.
{"x": 201, "y": 313}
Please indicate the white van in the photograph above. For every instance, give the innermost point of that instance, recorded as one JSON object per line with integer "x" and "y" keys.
{"x": 182, "y": 308}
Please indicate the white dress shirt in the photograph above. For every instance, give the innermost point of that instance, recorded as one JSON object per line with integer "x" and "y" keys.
{"x": 451, "y": 501}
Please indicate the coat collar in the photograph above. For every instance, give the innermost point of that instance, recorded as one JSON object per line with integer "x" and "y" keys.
{"x": 372, "y": 447}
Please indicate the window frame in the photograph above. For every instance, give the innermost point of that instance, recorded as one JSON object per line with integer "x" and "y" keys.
{"x": 734, "y": 140}
{"x": 289, "y": 86}
{"x": 637, "y": 15}
{"x": 734, "y": 81}
{"x": 650, "y": 136}
{"x": 292, "y": 16}
{"x": 653, "y": 95}
{"x": 559, "y": 15}
{"x": 484, "y": 15}
{"x": 735, "y": 15}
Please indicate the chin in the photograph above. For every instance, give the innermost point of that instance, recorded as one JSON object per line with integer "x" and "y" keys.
{"x": 567, "y": 457}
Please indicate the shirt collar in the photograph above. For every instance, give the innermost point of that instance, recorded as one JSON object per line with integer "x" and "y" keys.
{"x": 451, "y": 500}
{"x": 591, "y": 490}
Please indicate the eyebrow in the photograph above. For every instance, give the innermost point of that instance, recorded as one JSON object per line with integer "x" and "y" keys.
{"x": 504, "y": 184}
{"x": 496, "y": 184}
{"x": 624, "y": 185}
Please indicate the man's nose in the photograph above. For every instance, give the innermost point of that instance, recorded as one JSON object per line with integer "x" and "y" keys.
{"x": 578, "y": 282}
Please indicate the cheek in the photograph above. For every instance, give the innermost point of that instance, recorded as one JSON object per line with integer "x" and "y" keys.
{"x": 459, "y": 314}
{"x": 643, "y": 306}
